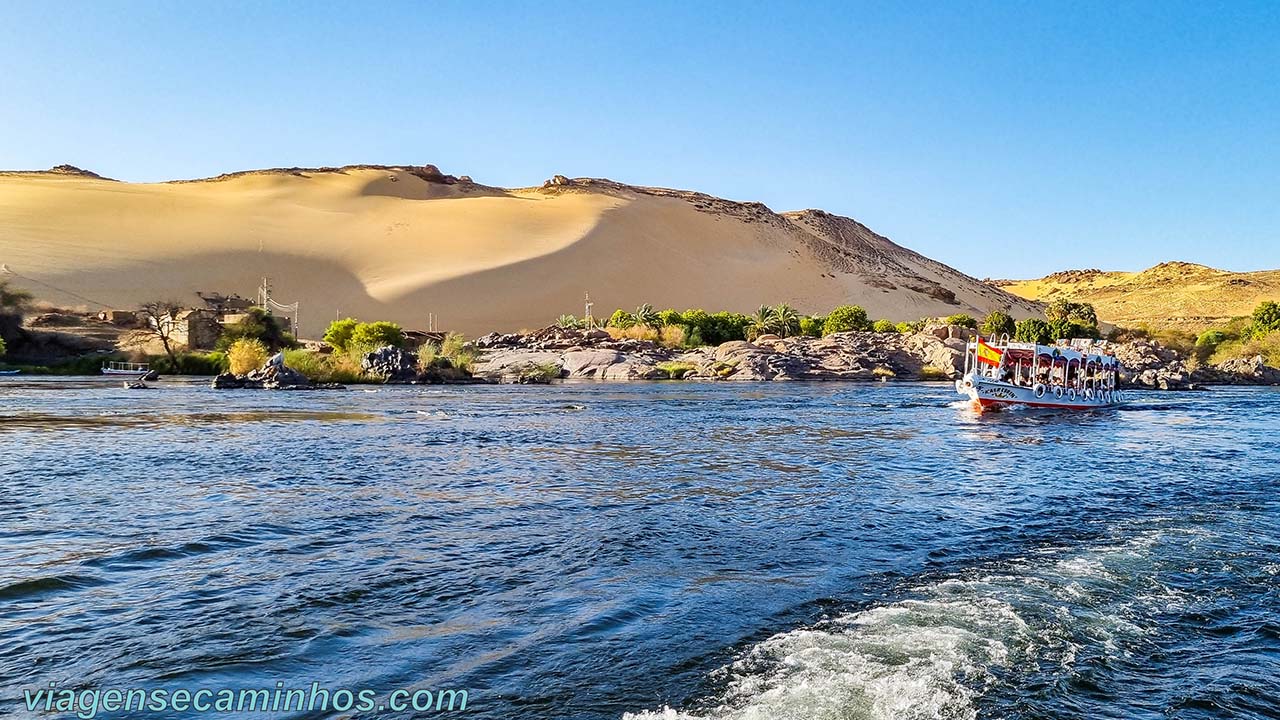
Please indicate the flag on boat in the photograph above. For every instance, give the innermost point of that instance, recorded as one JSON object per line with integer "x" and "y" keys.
{"x": 988, "y": 354}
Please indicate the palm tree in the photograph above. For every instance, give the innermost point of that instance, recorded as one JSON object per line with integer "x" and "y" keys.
{"x": 785, "y": 320}
{"x": 569, "y": 322}
{"x": 761, "y": 323}
{"x": 647, "y": 316}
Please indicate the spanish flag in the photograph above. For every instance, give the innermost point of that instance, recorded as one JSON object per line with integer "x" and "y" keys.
{"x": 988, "y": 354}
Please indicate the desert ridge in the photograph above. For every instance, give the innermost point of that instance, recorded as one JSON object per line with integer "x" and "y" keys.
{"x": 403, "y": 243}
{"x": 1171, "y": 293}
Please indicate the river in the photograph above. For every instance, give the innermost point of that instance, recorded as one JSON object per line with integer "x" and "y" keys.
{"x": 647, "y": 550}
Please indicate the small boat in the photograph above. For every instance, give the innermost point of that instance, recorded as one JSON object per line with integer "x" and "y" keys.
{"x": 1071, "y": 375}
{"x": 129, "y": 369}
{"x": 9, "y": 372}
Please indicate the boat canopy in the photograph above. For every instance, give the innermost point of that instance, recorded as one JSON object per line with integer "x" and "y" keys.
{"x": 1093, "y": 352}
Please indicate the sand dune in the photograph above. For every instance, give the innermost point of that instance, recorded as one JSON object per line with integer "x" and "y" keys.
{"x": 399, "y": 243}
{"x": 1171, "y": 293}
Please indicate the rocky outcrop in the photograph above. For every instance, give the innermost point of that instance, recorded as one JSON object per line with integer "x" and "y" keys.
{"x": 1239, "y": 371}
{"x": 595, "y": 355}
{"x": 392, "y": 364}
{"x": 1148, "y": 364}
{"x": 275, "y": 375}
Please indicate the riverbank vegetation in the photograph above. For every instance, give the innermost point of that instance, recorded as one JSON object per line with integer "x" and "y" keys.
{"x": 696, "y": 327}
{"x": 1246, "y": 337}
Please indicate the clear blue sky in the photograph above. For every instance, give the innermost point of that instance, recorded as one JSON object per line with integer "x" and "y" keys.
{"x": 1002, "y": 138}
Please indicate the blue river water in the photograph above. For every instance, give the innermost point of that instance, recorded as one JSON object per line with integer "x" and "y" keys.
{"x": 650, "y": 550}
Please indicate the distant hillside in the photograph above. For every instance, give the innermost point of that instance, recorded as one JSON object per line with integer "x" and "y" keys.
{"x": 1171, "y": 293}
{"x": 397, "y": 243}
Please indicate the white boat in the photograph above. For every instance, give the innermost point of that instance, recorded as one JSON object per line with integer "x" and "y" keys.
{"x": 1075, "y": 375}
{"x": 9, "y": 372}
{"x": 127, "y": 369}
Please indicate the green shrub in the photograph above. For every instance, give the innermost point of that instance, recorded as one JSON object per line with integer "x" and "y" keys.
{"x": 538, "y": 373}
{"x": 1266, "y": 318}
{"x": 962, "y": 320}
{"x": 338, "y": 367}
{"x": 670, "y": 317}
{"x": 1070, "y": 329}
{"x": 427, "y": 355}
{"x": 460, "y": 353}
{"x": 1033, "y": 330}
{"x": 1082, "y": 313}
{"x": 811, "y": 325}
{"x": 374, "y": 335}
{"x": 1208, "y": 342}
{"x": 1268, "y": 346}
{"x": 676, "y": 370}
{"x": 621, "y": 319}
{"x": 846, "y": 318}
{"x": 885, "y": 326}
{"x": 3, "y": 347}
{"x": 338, "y": 335}
{"x": 726, "y": 327}
{"x": 999, "y": 323}
{"x": 910, "y": 328}
{"x": 695, "y": 318}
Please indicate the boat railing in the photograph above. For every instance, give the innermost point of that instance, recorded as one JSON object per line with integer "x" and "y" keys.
{"x": 126, "y": 366}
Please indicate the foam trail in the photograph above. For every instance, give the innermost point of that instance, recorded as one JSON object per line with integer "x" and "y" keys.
{"x": 935, "y": 654}
{"x": 912, "y": 659}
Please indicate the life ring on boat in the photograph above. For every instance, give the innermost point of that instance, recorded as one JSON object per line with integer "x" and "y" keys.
{"x": 1038, "y": 390}
{"x": 1088, "y": 394}
{"x": 1071, "y": 394}
{"x": 1057, "y": 391}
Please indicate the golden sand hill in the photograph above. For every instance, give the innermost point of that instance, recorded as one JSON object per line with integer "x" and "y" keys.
{"x": 1171, "y": 293}
{"x": 397, "y": 243}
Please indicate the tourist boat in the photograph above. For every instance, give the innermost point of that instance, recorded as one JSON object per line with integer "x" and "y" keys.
{"x": 123, "y": 368}
{"x": 1071, "y": 375}
{"x": 9, "y": 372}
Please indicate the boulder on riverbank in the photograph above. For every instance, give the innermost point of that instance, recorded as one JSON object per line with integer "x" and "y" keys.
{"x": 1240, "y": 371}
{"x": 395, "y": 364}
{"x": 1149, "y": 365}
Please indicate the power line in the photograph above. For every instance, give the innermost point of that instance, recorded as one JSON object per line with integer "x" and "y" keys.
{"x": 5, "y": 269}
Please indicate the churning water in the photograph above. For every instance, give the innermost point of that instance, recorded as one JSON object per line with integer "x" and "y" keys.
{"x": 649, "y": 550}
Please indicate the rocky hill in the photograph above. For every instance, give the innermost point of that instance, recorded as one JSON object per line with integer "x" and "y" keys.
{"x": 1172, "y": 293}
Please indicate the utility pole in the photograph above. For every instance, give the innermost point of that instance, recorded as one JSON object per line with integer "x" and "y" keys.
{"x": 586, "y": 313}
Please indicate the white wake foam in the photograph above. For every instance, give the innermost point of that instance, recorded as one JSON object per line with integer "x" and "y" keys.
{"x": 921, "y": 658}
{"x": 933, "y": 655}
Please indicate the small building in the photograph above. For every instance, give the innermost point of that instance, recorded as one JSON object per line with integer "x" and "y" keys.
{"x": 123, "y": 318}
{"x": 196, "y": 329}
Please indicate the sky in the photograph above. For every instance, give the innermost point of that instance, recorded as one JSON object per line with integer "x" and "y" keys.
{"x": 1005, "y": 139}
